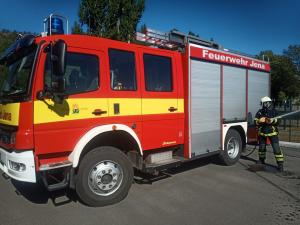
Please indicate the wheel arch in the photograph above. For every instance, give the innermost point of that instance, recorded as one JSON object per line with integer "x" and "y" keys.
{"x": 241, "y": 128}
{"x": 115, "y": 135}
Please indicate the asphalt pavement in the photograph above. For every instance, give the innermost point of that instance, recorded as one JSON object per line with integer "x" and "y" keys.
{"x": 199, "y": 192}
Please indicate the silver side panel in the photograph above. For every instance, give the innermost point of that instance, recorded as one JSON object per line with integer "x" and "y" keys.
{"x": 205, "y": 107}
{"x": 258, "y": 87}
{"x": 234, "y": 89}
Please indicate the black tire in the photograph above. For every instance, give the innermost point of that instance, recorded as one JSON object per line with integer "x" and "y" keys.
{"x": 91, "y": 168}
{"x": 232, "y": 140}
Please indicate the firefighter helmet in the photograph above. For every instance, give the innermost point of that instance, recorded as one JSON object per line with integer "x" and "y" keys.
{"x": 265, "y": 99}
{"x": 266, "y": 102}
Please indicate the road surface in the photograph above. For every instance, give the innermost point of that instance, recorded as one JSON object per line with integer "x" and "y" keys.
{"x": 199, "y": 192}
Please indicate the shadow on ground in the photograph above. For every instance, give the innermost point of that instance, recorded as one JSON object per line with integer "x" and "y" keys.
{"x": 38, "y": 194}
{"x": 143, "y": 178}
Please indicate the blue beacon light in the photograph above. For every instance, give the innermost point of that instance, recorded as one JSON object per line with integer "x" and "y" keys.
{"x": 56, "y": 26}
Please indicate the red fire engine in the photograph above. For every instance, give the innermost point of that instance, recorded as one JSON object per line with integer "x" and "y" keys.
{"x": 87, "y": 110}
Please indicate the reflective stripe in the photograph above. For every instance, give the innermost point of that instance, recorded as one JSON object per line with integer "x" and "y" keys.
{"x": 279, "y": 158}
{"x": 9, "y": 114}
{"x": 268, "y": 135}
{"x": 262, "y": 155}
{"x": 48, "y": 111}
{"x": 256, "y": 121}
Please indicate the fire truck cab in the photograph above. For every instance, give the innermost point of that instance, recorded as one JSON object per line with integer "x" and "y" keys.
{"x": 82, "y": 112}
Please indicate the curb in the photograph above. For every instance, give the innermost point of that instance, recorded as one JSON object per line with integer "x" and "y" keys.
{"x": 289, "y": 144}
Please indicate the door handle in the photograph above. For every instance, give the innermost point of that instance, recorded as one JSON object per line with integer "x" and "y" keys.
{"x": 98, "y": 112}
{"x": 172, "y": 109}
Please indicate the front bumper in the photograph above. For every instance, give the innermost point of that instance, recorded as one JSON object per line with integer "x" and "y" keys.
{"x": 26, "y": 157}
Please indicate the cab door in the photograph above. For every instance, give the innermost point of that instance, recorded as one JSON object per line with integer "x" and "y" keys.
{"x": 124, "y": 90}
{"x": 58, "y": 126}
{"x": 160, "y": 108}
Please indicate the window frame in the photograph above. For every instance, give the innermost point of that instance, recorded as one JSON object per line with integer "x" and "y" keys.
{"x": 171, "y": 73}
{"x": 78, "y": 53}
{"x": 135, "y": 70}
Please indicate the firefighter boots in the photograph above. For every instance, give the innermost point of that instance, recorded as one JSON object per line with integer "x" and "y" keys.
{"x": 280, "y": 167}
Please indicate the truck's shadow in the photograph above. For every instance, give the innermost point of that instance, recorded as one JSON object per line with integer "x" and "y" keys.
{"x": 142, "y": 178}
{"x": 38, "y": 194}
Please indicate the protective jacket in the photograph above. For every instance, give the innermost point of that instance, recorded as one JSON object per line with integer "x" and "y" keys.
{"x": 267, "y": 129}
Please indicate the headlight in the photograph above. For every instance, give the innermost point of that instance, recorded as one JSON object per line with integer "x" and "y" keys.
{"x": 20, "y": 167}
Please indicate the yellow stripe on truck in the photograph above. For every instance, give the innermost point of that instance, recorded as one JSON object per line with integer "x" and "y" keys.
{"x": 9, "y": 114}
{"x": 161, "y": 106}
{"x": 71, "y": 109}
{"x": 127, "y": 106}
{"x": 80, "y": 108}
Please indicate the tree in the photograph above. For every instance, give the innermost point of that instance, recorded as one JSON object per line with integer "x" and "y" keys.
{"x": 6, "y": 39}
{"x": 293, "y": 52}
{"x": 281, "y": 96}
{"x": 284, "y": 78}
{"x": 116, "y": 19}
{"x": 76, "y": 29}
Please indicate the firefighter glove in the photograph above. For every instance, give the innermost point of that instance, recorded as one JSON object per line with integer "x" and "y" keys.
{"x": 262, "y": 120}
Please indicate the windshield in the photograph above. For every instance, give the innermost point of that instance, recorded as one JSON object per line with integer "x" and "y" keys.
{"x": 14, "y": 76}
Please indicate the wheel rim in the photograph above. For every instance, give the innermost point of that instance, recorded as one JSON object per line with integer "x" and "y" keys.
{"x": 105, "y": 178}
{"x": 233, "y": 147}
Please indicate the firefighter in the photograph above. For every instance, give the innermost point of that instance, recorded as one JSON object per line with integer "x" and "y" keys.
{"x": 267, "y": 129}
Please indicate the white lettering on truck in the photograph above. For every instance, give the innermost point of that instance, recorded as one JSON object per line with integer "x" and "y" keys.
{"x": 206, "y": 54}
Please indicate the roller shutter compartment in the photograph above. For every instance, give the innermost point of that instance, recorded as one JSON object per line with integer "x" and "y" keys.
{"x": 204, "y": 107}
{"x": 234, "y": 89}
{"x": 258, "y": 87}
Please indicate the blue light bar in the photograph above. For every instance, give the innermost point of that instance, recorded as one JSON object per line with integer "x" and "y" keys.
{"x": 56, "y": 25}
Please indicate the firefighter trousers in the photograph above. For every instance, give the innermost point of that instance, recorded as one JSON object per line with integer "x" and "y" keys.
{"x": 275, "y": 146}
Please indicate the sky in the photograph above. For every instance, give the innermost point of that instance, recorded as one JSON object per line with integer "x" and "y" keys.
{"x": 246, "y": 26}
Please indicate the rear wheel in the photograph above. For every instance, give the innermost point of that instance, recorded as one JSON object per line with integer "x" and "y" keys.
{"x": 232, "y": 148}
{"x": 105, "y": 176}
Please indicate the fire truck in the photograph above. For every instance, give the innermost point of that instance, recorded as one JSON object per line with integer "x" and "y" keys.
{"x": 84, "y": 112}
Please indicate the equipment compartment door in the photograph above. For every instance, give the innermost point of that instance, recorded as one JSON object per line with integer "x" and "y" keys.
{"x": 234, "y": 90}
{"x": 258, "y": 87}
{"x": 205, "y": 107}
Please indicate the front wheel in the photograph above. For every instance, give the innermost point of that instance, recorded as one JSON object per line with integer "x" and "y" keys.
{"x": 105, "y": 176}
{"x": 232, "y": 148}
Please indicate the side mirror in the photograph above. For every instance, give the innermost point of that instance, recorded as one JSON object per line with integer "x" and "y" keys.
{"x": 58, "y": 57}
{"x": 58, "y": 85}
{"x": 56, "y": 93}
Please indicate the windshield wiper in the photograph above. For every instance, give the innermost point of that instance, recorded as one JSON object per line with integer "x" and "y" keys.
{"x": 17, "y": 91}
{"x": 13, "y": 90}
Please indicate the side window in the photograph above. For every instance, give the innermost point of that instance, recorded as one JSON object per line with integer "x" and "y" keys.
{"x": 122, "y": 70}
{"x": 158, "y": 73}
{"x": 82, "y": 73}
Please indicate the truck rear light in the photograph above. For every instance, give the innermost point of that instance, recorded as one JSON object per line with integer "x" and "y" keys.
{"x": 20, "y": 167}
